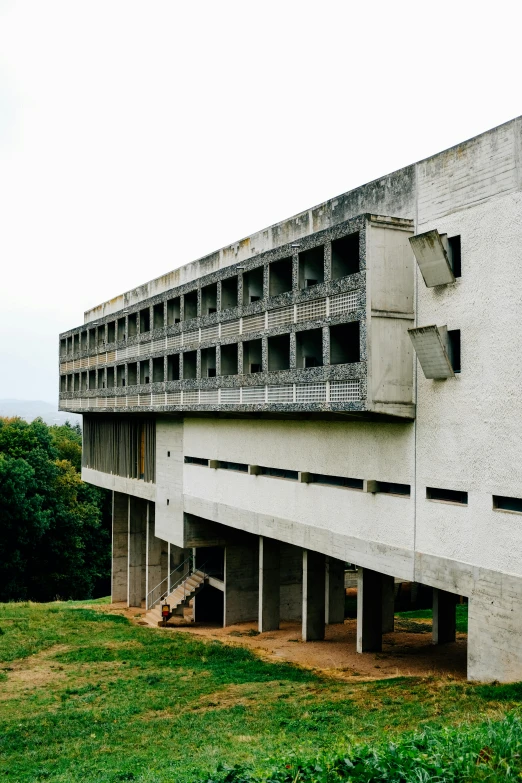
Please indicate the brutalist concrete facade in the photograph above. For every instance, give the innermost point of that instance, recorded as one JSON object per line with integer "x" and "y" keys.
{"x": 329, "y": 444}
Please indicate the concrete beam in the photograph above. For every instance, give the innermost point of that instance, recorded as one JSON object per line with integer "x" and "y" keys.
{"x": 444, "y": 616}
{"x": 369, "y": 611}
{"x": 269, "y": 584}
{"x": 334, "y": 591}
{"x": 313, "y": 595}
{"x": 120, "y": 547}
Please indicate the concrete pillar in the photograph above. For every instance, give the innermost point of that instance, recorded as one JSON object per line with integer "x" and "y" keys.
{"x": 241, "y": 601}
{"x": 334, "y": 591}
{"x": 153, "y": 551}
{"x": 137, "y": 550}
{"x": 120, "y": 546}
{"x": 269, "y": 584}
{"x": 369, "y": 611}
{"x": 313, "y": 595}
{"x": 444, "y": 616}
{"x": 291, "y": 582}
{"x": 388, "y": 603}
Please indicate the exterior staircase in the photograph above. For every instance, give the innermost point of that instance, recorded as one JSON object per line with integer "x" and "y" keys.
{"x": 183, "y": 592}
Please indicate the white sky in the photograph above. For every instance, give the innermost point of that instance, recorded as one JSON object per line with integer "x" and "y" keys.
{"x": 138, "y": 136}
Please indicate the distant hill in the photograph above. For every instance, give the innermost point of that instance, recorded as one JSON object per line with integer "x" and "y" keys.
{"x": 31, "y": 409}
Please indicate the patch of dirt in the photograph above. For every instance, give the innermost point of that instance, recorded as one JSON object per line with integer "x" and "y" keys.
{"x": 34, "y": 671}
{"x": 404, "y": 653}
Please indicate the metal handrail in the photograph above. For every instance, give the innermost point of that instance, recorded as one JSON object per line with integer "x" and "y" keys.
{"x": 171, "y": 586}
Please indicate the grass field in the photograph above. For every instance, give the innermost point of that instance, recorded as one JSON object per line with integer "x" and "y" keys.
{"x": 87, "y": 696}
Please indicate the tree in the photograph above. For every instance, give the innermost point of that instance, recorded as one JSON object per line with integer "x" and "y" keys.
{"x": 55, "y": 529}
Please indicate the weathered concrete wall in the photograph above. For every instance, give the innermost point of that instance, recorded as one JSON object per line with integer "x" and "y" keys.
{"x": 169, "y": 481}
{"x": 138, "y": 516}
{"x": 241, "y": 580}
{"x": 120, "y": 546}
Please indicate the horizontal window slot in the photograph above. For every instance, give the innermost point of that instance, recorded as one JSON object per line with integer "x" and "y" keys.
{"x": 447, "y": 495}
{"x": 389, "y": 488}
{"x": 507, "y": 504}
{"x": 196, "y": 461}
{"x": 278, "y": 473}
{"x": 335, "y": 481}
{"x": 237, "y": 466}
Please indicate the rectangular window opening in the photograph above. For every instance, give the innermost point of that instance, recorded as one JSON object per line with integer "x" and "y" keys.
{"x": 190, "y": 305}
{"x": 280, "y": 276}
{"x": 190, "y": 365}
{"x": 229, "y": 293}
{"x": 345, "y": 256}
{"x": 173, "y": 367}
{"x": 196, "y": 461}
{"x": 120, "y": 375}
{"x": 121, "y": 329}
{"x": 173, "y": 311}
{"x": 502, "y": 503}
{"x": 158, "y": 370}
{"x": 447, "y": 495}
{"x": 336, "y": 481}
{"x": 83, "y": 341}
{"x": 145, "y": 320}
{"x": 133, "y": 324}
{"x": 111, "y": 332}
{"x": 345, "y": 343}
{"x": 253, "y": 285}
{"x": 159, "y": 315}
{"x": 279, "y": 353}
{"x": 229, "y": 359}
{"x": 309, "y": 348}
{"x": 390, "y": 488}
{"x": 209, "y": 299}
{"x": 110, "y": 378}
{"x": 144, "y": 371}
{"x": 311, "y": 267}
{"x": 252, "y": 356}
{"x": 278, "y": 473}
{"x": 208, "y": 362}
{"x": 454, "y": 349}
{"x": 237, "y": 466}
{"x": 63, "y": 347}
{"x": 132, "y": 373}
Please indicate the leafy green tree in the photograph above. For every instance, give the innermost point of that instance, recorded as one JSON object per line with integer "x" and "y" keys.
{"x": 55, "y": 530}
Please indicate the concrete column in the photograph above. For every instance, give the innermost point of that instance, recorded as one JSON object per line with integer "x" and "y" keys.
{"x": 313, "y": 595}
{"x": 369, "y": 611}
{"x": 291, "y": 582}
{"x": 137, "y": 550}
{"x": 153, "y": 557}
{"x": 444, "y": 616}
{"x": 388, "y": 603}
{"x": 334, "y": 591}
{"x": 120, "y": 546}
{"x": 241, "y": 602}
{"x": 269, "y": 584}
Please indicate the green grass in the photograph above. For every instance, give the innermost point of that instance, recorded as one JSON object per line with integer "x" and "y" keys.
{"x": 87, "y": 696}
{"x": 427, "y": 614}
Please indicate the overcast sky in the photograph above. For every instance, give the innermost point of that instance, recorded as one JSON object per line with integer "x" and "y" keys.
{"x": 138, "y": 136}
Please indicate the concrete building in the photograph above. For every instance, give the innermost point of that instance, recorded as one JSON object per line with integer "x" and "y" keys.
{"x": 344, "y": 386}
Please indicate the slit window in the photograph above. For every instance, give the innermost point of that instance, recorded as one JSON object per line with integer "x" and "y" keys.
{"x": 345, "y": 256}
{"x": 209, "y": 299}
{"x": 173, "y": 311}
{"x": 159, "y": 315}
{"x": 389, "y": 488}
{"x": 228, "y": 293}
{"x": 236, "y": 466}
{"x": 454, "y": 349}
{"x": 311, "y": 267}
{"x": 278, "y": 473}
{"x": 280, "y": 276}
{"x": 190, "y": 305}
{"x": 309, "y": 348}
{"x": 279, "y": 353}
{"x": 447, "y": 495}
{"x": 229, "y": 357}
{"x": 345, "y": 343}
{"x": 455, "y": 255}
{"x": 173, "y": 367}
{"x": 501, "y": 503}
{"x": 335, "y": 481}
{"x": 190, "y": 365}
{"x": 196, "y": 461}
{"x": 252, "y": 356}
{"x": 253, "y": 285}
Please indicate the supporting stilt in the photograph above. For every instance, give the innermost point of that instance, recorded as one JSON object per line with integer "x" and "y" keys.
{"x": 369, "y": 611}
{"x": 241, "y": 580}
{"x": 313, "y": 595}
{"x": 388, "y": 603}
{"x": 269, "y": 584}
{"x": 120, "y": 546}
{"x": 444, "y": 616}
{"x": 137, "y": 549}
{"x": 334, "y": 590}
{"x": 291, "y": 582}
